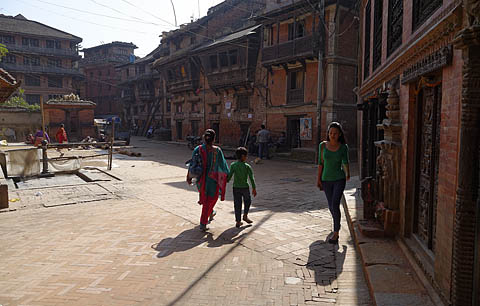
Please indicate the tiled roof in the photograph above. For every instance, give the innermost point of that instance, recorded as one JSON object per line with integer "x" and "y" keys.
{"x": 113, "y": 44}
{"x": 70, "y": 102}
{"x": 21, "y": 25}
{"x": 230, "y": 38}
{"x": 8, "y": 85}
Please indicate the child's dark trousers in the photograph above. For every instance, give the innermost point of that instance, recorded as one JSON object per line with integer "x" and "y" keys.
{"x": 238, "y": 194}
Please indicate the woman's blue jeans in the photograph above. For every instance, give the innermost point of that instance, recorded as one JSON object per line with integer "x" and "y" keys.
{"x": 334, "y": 191}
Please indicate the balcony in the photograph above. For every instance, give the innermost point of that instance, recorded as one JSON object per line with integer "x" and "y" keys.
{"x": 40, "y": 69}
{"x": 181, "y": 86}
{"x": 303, "y": 47}
{"x": 42, "y": 51}
{"x": 295, "y": 96}
{"x": 145, "y": 95}
{"x": 229, "y": 79}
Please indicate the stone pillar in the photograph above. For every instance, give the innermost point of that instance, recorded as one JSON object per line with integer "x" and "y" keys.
{"x": 388, "y": 162}
{"x": 464, "y": 228}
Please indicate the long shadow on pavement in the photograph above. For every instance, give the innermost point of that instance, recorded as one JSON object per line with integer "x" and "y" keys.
{"x": 325, "y": 266}
{"x": 184, "y": 241}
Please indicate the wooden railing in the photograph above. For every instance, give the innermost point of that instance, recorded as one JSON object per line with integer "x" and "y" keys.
{"x": 304, "y": 46}
{"x": 228, "y": 78}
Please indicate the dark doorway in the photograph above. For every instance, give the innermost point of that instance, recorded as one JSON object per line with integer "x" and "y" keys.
{"x": 244, "y": 134}
{"x": 179, "y": 130}
{"x": 216, "y": 128}
{"x": 72, "y": 125}
{"x": 426, "y": 164}
{"x": 293, "y": 132}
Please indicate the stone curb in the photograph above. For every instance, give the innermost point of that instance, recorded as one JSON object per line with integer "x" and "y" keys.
{"x": 351, "y": 227}
{"x": 422, "y": 292}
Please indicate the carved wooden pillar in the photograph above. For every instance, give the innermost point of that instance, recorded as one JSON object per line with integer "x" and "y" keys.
{"x": 467, "y": 187}
{"x": 388, "y": 162}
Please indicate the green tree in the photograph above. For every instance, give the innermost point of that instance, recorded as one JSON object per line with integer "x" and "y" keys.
{"x": 3, "y": 51}
{"x": 18, "y": 100}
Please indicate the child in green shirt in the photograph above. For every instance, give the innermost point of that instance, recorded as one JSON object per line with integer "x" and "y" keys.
{"x": 241, "y": 170}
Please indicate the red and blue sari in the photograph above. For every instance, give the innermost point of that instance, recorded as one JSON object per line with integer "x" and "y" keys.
{"x": 213, "y": 181}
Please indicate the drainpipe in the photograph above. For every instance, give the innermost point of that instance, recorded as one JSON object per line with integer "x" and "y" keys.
{"x": 321, "y": 48}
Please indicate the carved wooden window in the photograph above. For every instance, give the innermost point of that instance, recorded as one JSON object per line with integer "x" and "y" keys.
{"x": 377, "y": 33}
{"x": 32, "y": 99}
{"x": 233, "y": 57}
{"x": 55, "y": 82}
{"x": 194, "y": 124}
{"x": 243, "y": 102}
{"x": 213, "y": 62}
{"x": 32, "y": 80}
{"x": 295, "y": 87}
{"x": 214, "y": 109}
{"x": 9, "y": 59}
{"x": 223, "y": 59}
{"x": 395, "y": 25}
{"x": 366, "y": 43}
{"x": 422, "y": 9}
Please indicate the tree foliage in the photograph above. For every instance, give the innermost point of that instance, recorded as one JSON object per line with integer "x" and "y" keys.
{"x": 18, "y": 100}
{"x": 3, "y": 51}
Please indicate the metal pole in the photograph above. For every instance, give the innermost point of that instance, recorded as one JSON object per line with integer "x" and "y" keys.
{"x": 112, "y": 138}
{"x": 204, "y": 103}
{"x": 44, "y": 157}
{"x": 43, "y": 117}
{"x": 321, "y": 47}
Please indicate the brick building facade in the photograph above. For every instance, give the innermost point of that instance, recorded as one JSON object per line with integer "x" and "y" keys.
{"x": 419, "y": 120}
{"x": 197, "y": 94}
{"x": 294, "y": 33}
{"x": 142, "y": 93}
{"x": 233, "y": 71}
{"x": 42, "y": 58}
{"x": 101, "y": 78}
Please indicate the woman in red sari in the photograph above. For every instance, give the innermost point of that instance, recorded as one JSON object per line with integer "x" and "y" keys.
{"x": 61, "y": 135}
{"x": 213, "y": 181}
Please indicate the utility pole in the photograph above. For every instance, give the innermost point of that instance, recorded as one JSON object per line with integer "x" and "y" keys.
{"x": 321, "y": 49}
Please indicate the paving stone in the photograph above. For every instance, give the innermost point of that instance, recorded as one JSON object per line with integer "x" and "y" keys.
{"x": 142, "y": 245}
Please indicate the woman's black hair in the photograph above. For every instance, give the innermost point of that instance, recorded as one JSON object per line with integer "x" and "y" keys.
{"x": 338, "y": 126}
{"x": 209, "y": 136}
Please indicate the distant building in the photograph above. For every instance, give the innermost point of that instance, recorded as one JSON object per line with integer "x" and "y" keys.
{"x": 42, "y": 58}
{"x": 207, "y": 83}
{"x": 142, "y": 92}
{"x": 293, "y": 34}
{"x": 101, "y": 86}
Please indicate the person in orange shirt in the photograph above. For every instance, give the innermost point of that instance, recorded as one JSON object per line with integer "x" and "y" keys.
{"x": 61, "y": 135}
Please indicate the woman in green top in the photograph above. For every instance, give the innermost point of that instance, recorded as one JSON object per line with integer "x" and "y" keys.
{"x": 331, "y": 176}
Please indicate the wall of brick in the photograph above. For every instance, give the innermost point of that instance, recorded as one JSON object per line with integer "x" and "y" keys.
{"x": 447, "y": 180}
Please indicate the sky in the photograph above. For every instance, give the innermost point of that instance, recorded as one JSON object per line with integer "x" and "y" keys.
{"x": 103, "y": 21}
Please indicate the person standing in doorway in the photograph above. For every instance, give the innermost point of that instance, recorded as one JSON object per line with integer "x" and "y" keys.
{"x": 332, "y": 176}
{"x": 213, "y": 180}
{"x": 263, "y": 137}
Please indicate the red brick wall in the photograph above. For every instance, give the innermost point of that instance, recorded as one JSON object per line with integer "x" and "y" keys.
{"x": 447, "y": 180}
{"x": 311, "y": 83}
{"x": 277, "y": 87}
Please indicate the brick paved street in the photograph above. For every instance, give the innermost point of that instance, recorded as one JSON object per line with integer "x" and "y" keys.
{"x": 142, "y": 245}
